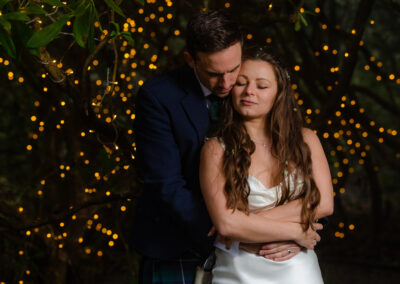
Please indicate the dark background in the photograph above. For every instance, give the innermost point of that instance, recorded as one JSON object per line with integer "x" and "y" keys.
{"x": 68, "y": 180}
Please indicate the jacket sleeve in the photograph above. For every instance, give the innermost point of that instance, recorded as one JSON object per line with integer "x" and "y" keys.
{"x": 159, "y": 162}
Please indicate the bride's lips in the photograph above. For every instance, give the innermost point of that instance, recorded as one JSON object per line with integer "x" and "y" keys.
{"x": 247, "y": 102}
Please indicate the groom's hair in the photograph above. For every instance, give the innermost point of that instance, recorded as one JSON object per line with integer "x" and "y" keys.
{"x": 211, "y": 31}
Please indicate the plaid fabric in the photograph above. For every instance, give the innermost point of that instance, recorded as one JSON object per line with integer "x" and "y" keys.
{"x": 169, "y": 272}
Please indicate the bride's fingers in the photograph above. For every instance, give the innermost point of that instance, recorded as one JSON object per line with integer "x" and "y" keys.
{"x": 318, "y": 226}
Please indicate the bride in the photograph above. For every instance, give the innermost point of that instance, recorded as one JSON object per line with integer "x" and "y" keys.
{"x": 264, "y": 178}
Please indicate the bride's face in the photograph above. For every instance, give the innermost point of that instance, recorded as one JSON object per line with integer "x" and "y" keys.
{"x": 255, "y": 90}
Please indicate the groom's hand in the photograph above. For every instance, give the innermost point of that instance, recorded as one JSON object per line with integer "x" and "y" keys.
{"x": 279, "y": 251}
{"x": 251, "y": 248}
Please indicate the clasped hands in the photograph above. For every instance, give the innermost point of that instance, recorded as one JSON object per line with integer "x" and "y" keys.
{"x": 276, "y": 251}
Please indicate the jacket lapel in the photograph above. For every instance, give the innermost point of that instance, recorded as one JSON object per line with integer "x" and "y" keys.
{"x": 194, "y": 104}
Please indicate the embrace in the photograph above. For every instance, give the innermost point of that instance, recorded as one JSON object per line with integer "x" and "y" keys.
{"x": 229, "y": 170}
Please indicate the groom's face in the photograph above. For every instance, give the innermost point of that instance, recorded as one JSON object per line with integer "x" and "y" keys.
{"x": 218, "y": 70}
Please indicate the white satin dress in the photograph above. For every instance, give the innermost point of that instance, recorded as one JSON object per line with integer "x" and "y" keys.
{"x": 236, "y": 266}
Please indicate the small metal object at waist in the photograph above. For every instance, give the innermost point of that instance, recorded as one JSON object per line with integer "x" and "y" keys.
{"x": 209, "y": 262}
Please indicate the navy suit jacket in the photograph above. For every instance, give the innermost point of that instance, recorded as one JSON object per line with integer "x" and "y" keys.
{"x": 170, "y": 125}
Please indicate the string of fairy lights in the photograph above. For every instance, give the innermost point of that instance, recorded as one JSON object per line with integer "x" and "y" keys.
{"x": 114, "y": 102}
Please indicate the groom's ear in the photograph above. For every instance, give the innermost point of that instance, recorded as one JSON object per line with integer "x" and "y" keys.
{"x": 188, "y": 59}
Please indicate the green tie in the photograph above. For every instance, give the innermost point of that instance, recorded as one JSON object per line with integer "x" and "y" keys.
{"x": 214, "y": 106}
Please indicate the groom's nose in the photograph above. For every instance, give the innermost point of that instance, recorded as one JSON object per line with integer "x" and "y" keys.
{"x": 226, "y": 81}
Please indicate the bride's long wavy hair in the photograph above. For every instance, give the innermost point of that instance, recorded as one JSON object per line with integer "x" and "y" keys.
{"x": 284, "y": 126}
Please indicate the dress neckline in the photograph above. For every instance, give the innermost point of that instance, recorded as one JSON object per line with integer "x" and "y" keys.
{"x": 263, "y": 185}
{"x": 269, "y": 188}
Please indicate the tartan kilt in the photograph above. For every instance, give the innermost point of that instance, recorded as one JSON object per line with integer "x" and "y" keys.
{"x": 180, "y": 271}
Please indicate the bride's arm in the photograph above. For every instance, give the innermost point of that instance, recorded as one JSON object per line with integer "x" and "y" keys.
{"x": 320, "y": 171}
{"x": 235, "y": 224}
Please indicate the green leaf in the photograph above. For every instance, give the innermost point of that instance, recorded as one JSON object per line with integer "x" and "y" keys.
{"x": 129, "y": 38}
{"x": 303, "y": 20}
{"x": 90, "y": 39}
{"x": 3, "y": 2}
{"x": 34, "y": 51}
{"x": 81, "y": 28}
{"x": 48, "y": 34}
{"x": 309, "y": 12}
{"x": 54, "y": 3}
{"x": 21, "y": 33}
{"x": 141, "y": 2}
{"x": 117, "y": 29}
{"x": 114, "y": 6}
{"x": 297, "y": 26}
{"x": 6, "y": 24}
{"x": 96, "y": 16}
{"x": 33, "y": 9}
{"x": 7, "y": 43}
{"x": 82, "y": 8}
{"x": 17, "y": 16}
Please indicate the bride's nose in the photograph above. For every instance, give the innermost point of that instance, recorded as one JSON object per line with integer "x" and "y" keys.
{"x": 249, "y": 90}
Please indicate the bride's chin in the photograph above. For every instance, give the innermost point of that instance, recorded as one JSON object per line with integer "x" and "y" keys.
{"x": 243, "y": 112}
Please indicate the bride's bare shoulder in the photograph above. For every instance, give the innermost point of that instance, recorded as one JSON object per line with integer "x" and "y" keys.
{"x": 312, "y": 140}
{"x": 212, "y": 148}
{"x": 309, "y": 136}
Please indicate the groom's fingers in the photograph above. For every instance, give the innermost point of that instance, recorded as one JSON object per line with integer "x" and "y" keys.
{"x": 292, "y": 252}
{"x": 279, "y": 249}
{"x": 252, "y": 248}
{"x": 212, "y": 231}
{"x": 274, "y": 250}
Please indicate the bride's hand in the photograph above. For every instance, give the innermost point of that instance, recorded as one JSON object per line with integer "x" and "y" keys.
{"x": 309, "y": 238}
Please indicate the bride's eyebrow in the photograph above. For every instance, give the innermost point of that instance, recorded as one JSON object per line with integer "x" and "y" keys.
{"x": 263, "y": 79}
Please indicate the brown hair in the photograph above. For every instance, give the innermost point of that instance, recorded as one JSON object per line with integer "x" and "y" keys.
{"x": 284, "y": 126}
{"x": 211, "y": 31}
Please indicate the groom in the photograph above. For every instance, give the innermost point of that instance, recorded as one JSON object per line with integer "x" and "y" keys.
{"x": 172, "y": 119}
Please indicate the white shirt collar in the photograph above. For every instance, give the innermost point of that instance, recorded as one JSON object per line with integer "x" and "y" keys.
{"x": 204, "y": 89}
